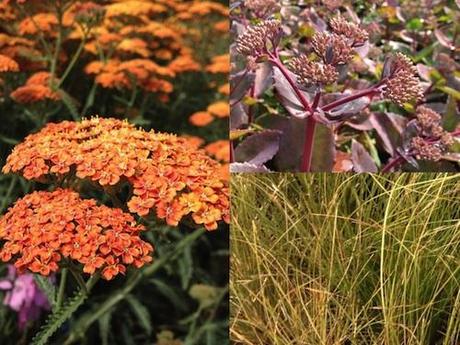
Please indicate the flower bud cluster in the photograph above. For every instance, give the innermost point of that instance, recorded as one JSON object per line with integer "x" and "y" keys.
{"x": 313, "y": 73}
{"x": 333, "y": 49}
{"x": 261, "y": 8}
{"x": 432, "y": 141}
{"x": 403, "y": 85}
{"x": 253, "y": 42}
{"x": 350, "y": 30}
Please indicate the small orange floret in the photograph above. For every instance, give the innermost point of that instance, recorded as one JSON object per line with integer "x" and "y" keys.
{"x": 44, "y": 227}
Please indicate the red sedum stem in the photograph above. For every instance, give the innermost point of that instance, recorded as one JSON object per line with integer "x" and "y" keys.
{"x": 311, "y": 122}
{"x": 301, "y": 97}
{"x": 394, "y": 162}
{"x": 308, "y": 144}
{"x": 367, "y": 92}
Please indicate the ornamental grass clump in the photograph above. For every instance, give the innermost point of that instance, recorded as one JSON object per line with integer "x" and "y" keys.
{"x": 321, "y": 89}
{"x": 345, "y": 259}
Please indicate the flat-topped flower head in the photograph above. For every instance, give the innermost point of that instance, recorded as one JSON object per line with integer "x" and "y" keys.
{"x": 37, "y": 88}
{"x": 43, "y": 228}
{"x": 160, "y": 167}
{"x": 313, "y": 73}
{"x": 255, "y": 41}
{"x": 7, "y": 64}
{"x": 403, "y": 85}
{"x": 353, "y": 32}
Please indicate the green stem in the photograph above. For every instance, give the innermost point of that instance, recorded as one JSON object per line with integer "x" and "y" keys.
{"x": 6, "y": 198}
{"x": 75, "y": 58}
{"x": 79, "y": 279}
{"x": 120, "y": 294}
{"x": 60, "y": 296}
{"x": 57, "y": 49}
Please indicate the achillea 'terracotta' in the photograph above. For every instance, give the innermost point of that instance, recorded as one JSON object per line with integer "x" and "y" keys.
{"x": 43, "y": 228}
{"x": 162, "y": 168}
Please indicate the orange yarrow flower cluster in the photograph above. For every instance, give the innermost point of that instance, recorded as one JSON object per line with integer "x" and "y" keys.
{"x": 141, "y": 72}
{"x": 219, "y": 64}
{"x": 37, "y": 88}
{"x": 43, "y": 228}
{"x": 7, "y": 64}
{"x": 165, "y": 171}
{"x": 218, "y": 109}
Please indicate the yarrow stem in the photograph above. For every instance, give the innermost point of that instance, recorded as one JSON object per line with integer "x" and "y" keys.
{"x": 118, "y": 295}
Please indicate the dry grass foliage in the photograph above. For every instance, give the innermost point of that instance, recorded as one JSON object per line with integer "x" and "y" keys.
{"x": 345, "y": 259}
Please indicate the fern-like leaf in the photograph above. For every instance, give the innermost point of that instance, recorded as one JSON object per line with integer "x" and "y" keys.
{"x": 141, "y": 312}
{"x": 58, "y": 317}
{"x": 47, "y": 288}
{"x": 69, "y": 102}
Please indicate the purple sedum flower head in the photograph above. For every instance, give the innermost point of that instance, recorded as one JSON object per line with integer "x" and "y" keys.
{"x": 23, "y": 296}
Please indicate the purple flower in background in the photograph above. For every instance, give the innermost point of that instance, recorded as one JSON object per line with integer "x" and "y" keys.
{"x": 23, "y": 296}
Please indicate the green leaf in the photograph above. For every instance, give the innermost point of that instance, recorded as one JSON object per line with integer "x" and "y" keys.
{"x": 169, "y": 292}
{"x": 104, "y": 327}
{"x": 452, "y": 92}
{"x": 451, "y": 116}
{"x": 415, "y": 24}
{"x": 186, "y": 267}
{"x": 58, "y": 317}
{"x": 70, "y": 104}
{"x": 47, "y": 288}
{"x": 7, "y": 140}
{"x": 141, "y": 312}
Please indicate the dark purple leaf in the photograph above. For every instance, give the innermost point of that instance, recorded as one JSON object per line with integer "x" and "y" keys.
{"x": 350, "y": 108}
{"x": 263, "y": 79}
{"x": 329, "y": 54}
{"x": 291, "y": 141}
{"x": 451, "y": 115}
{"x": 387, "y": 67}
{"x": 323, "y": 149}
{"x": 240, "y": 83}
{"x": 287, "y": 96}
{"x": 238, "y": 116}
{"x": 389, "y": 128}
{"x": 362, "y": 160}
{"x": 424, "y": 71}
{"x": 360, "y": 122}
{"x": 443, "y": 39}
{"x": 247, "y": 168}
{"x": 290, "y": 152}
{"x": 258, "y": 148}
